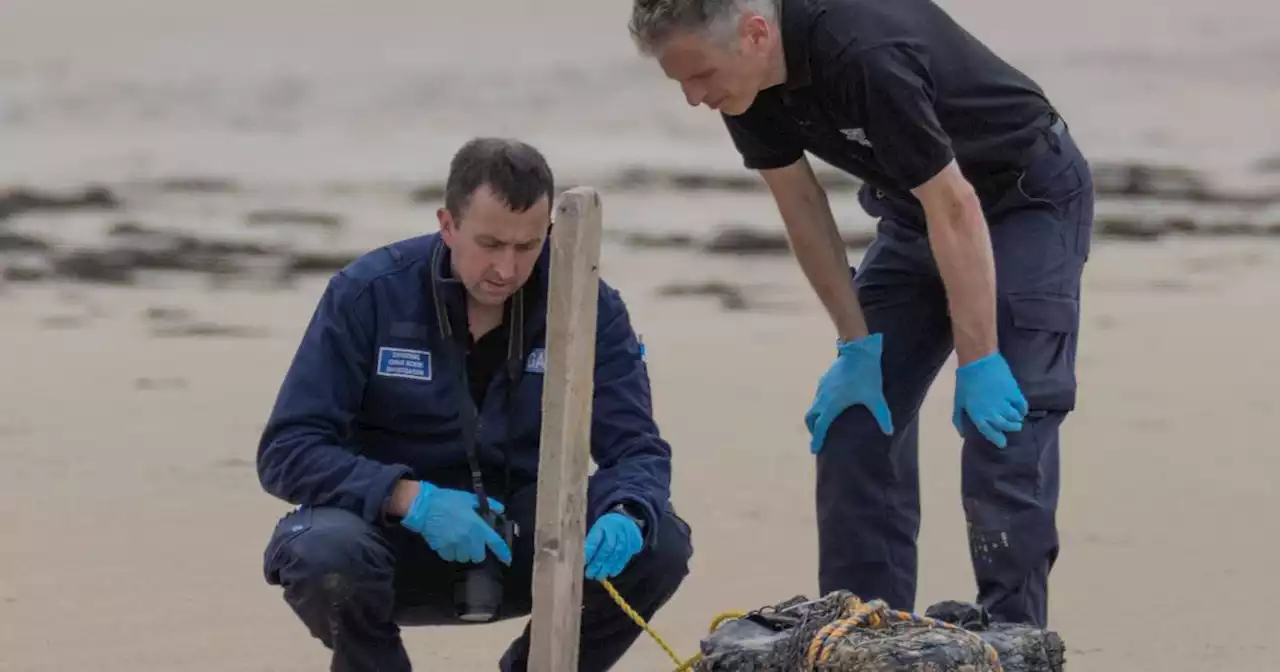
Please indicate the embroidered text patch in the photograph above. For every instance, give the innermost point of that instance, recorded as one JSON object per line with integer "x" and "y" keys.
{"x": 402, "y": 363}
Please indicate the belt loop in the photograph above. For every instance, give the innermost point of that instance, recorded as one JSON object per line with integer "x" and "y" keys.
{"x": 1057, "y": 128}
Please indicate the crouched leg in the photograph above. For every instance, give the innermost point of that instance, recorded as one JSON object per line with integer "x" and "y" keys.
{"x": 337, "y": 572}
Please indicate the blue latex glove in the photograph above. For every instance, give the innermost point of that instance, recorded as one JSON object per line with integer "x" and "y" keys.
{"x": 987, "y": 391}
{"x": 448, "y": 520}
{"x": 610, "y": 545}
{"x": 854, "y": 378}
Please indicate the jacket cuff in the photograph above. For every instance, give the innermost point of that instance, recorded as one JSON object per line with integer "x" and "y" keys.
{"x": 641, "y": 511}
{"x": 375, "y": 501}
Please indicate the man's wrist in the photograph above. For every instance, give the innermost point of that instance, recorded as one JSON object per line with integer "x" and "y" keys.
{"x": 630, "y": 511}
{"x": 846, "y": 340}
{"x": 975, "y": 337}
{"x": 972, "y": 354}
{"x": 851, "y": 328}
{"x": 402, "y": 496}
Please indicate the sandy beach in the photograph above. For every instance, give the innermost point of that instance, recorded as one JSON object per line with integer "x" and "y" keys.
{"x": 133, "y": 523}
{"x": 176, "y": 183}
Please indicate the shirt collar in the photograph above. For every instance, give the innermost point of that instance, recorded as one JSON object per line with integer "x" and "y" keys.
{"x": 794, "y": 19}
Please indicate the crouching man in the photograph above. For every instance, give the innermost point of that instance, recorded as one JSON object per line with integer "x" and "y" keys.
{"x": 407, "y": 430}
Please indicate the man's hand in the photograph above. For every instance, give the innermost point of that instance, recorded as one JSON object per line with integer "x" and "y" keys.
{"x": 854, "y": 378}
{"x": 985, "y": 387}
{"x": 447, "y": 519}
{"x": 988, "y": 393}
{"x": 611, "y": 543}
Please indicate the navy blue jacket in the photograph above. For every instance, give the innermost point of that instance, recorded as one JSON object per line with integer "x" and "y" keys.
{"x": 374, "y": 395}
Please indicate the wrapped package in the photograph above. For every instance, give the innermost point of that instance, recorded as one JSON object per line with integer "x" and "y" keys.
{"x": 841, "y": 633}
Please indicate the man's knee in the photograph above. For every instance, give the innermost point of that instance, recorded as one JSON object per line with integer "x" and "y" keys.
{"x": 329, "y": 550}
{"x": 1021, "y": 476}
{"x": 856, "y": 429}
{"x": 860, "y": 463}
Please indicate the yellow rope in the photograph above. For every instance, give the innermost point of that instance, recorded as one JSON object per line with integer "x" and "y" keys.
{"x": 877, "y": 614}
{"x": 681, "y": 666}
{"x": 874, "y": 614}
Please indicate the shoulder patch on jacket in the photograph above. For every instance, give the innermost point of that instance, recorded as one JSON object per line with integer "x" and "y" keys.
{"x": 537, "y": 361}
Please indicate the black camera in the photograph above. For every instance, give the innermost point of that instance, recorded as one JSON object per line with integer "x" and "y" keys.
{"x": 478, "y": 592}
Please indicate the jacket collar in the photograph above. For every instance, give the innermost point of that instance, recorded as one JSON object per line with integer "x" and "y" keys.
{"x": 448, "y": 296}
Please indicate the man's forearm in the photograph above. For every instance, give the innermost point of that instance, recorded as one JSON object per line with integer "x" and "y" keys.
{"x": 818, "y": 248}
{"x": 961, "y": 246}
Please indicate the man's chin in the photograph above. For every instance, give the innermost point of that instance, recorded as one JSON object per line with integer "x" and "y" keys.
{"x": 734, "y": 106}
{"x": 486, "y": 297}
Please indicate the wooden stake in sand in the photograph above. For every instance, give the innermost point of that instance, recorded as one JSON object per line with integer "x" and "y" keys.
{"x": 566, "y": 432}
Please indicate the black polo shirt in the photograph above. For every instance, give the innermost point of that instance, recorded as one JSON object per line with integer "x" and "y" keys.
{"x": 492, "y": 351}
{"x": 890, "y": 91}
{"x": 485, "y": 356}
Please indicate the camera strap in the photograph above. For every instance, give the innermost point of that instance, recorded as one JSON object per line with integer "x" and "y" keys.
{"x": 467, "y": 405}
{"x": 515, "y": 371}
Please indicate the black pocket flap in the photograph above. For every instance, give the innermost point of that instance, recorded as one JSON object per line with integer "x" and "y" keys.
{"x": 1045, "y": 312}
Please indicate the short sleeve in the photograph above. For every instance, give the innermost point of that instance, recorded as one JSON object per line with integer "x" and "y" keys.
{"x": 892, "y": 84}
{"x": 763, "y": 146}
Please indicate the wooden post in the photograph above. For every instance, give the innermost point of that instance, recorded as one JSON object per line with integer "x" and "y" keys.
{"x": 565, "y": 455}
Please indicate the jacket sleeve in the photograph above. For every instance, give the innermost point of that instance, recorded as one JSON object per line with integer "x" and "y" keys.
{"x": 633, "y": 461}
{"x": 303, "y": 455}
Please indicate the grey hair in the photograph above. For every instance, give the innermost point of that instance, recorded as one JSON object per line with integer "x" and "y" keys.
{"x": 654, "y": 21}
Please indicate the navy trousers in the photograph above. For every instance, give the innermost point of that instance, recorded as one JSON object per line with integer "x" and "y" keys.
{"x": 348, "y": 581}
{"x": 867, "y": 489}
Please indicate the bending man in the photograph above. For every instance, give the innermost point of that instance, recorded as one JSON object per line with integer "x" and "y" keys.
{"x": 985, "y": 210}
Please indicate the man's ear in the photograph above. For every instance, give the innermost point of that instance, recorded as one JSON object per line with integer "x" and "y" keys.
{"x": 446, "y": 225}
{"x": 754, "y": 29}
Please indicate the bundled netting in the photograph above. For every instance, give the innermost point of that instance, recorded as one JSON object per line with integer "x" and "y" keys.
{"x": 841, "y": 633}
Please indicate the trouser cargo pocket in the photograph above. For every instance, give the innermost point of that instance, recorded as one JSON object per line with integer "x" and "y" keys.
{"x": 1039, "y": 338}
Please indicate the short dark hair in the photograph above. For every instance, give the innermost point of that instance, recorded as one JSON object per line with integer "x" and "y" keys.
{"x": 516, "y": 173}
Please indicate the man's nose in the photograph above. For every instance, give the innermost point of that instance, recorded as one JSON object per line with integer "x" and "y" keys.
{"x": 505, "y": 264}
{"x": 693, "y": 94}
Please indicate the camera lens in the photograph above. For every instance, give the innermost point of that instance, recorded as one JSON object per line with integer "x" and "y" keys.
{"x": 479, "y": 593}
